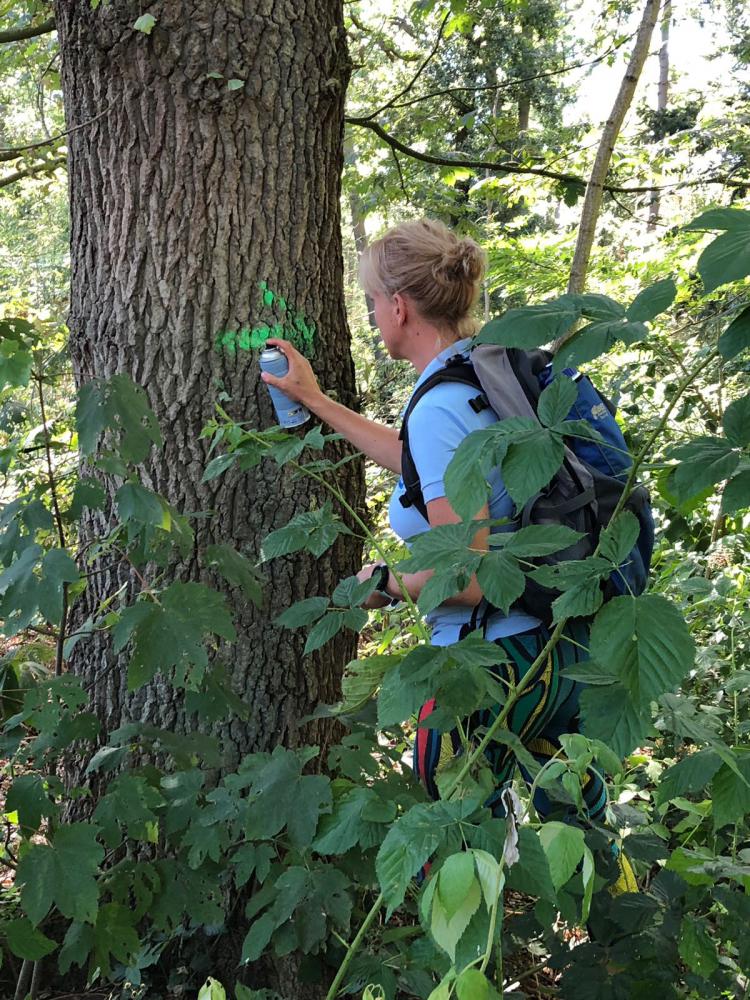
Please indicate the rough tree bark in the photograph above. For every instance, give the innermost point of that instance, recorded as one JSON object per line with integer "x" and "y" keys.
{"x": 595, "y": 188}
{"x": 183, "y": 197}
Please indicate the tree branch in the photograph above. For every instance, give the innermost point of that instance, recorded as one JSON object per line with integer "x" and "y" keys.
{"x": 420, "y": 70}
{"x": 13, "y": 153}
{"x": 513, "y": 82}
{"x": 31, "y": 31}
{"x": 515, "y": 168}
{"x": 40, "y": 168}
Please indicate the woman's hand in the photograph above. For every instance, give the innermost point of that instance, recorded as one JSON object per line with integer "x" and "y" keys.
{"x": 300, "y": 382}
{"x": 375, "y": 600}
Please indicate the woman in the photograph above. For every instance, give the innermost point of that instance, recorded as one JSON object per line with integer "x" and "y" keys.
{"x": 424, "y": 282}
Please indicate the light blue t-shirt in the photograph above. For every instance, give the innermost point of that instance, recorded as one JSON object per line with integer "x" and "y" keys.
{"x": 439, "y": 423}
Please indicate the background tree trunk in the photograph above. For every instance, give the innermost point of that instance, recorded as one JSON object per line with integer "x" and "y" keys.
{"x": 183, "y": 197}
{"x": 662, "y": 97}
{"x": 595, "y": 188}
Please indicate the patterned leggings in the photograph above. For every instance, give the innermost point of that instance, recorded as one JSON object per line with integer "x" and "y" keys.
{"x": 547, "y": 709}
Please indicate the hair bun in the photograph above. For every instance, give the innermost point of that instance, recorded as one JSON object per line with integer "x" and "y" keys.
{"x": 464, "y": 261}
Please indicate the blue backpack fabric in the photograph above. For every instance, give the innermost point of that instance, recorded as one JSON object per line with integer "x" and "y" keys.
{"x": 588, "y": 486}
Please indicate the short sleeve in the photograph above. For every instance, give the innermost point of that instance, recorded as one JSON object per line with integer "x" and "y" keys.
{"x": 437, "y": 426}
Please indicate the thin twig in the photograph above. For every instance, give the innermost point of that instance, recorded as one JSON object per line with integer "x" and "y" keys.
{"x": 12, "y": 153}
{"x": 420, "y": 70}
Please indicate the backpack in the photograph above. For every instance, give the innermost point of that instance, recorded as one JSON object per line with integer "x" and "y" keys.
{"x": 585, "y": 490}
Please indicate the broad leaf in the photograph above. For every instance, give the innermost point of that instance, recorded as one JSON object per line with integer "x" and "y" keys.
{"x": 454, "y": 882}
{"x": 652, "y": 301}
{"x": 609, "y": 715}
{"x": 619, "y": 537}
{"x": 237, "y": 570}
{"x": 500, "y": 579}
{"x": 691, "y": 774}
{"x": 530, "y": 464}
{"x": 121, "y": 406}
{"x": 644, "y": 643}
{"x": 736, "y": 337}
{"x": 736, "y": 422}
{"x": 556, "y": 401}
{"x": 25, "y": 941}
{"x": 564, "y": 845}
{"x": 173, "y": 633}
{"x": 411, "y": 840}
{"x": 736, "y": 495}
{"x": 725, "y": 259}
{"x": 303, "y": 612}
{"x": 731, "y": 792}
{"x": 730, "y": 219}
{"x": 705, "y": 461}
{"x": 62, "y": 874}
{"x": 530, "y": 326}
{"x": 314, "y": 530}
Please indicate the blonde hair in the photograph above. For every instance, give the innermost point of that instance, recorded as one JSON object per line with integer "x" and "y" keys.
{"x": 427, "y": 262}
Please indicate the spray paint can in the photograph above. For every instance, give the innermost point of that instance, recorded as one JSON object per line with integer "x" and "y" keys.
{"x": 289, "y": 412}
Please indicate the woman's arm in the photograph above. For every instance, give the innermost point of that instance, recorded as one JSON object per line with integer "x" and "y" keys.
{"x": 378, "y": 442}
{"x": 439, "y": 512}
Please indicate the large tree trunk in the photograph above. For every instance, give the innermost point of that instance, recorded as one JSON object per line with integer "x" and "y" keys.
{"x": 183, "y": 197}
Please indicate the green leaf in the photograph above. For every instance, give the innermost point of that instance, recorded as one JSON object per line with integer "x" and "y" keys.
{"x": 736, "y": 337}
{"x": 530, "y": 464}
{"x": 448, "y": 931}
{"x": 736, "y": 495}
{"x": 252, "y": 858}
{"x": 173, "y": 632}
{"x": 283, "y": 796}
{"x": 472, "y": 985}
{"x": 212, "y": 990}
{"x": 25, "y": 941}
{"x": 652, "y": 301}
{"x": 725, "y": 259}
{"x": 731, "y": 219}
{"x": 500, "y": 579}
{"x": 15, "y": 364}
{"x": 62, "y": 874}
{"x": 730, "y": 793}
{"x": 136, "y": 503}
{"x": 445, "y": 547}
{"x": 236, "y": 84}
{"x": 350, "y": 593}
{"x": 564, "y": 846}
{"x": 595, "y": 339}
{"x": 556, "y": 400}
{"x": 530, "y": 326}
{"x": 691, "y": 774}
{"x": 736, "y": 422}
{"x": 121, "y": 406}
{"x": 323, "y": 631}
{"x": 303, "y": 612}
{"x": 409, "y": 843}
{"x": 314, "y": 530}
{"x": 537, "y": 540}
{"x": 115, "y": 936}
{"x": 644, "y": 643}
{"x": 76, "y": 946}
{"x": 583, "y": 600}
{"x": 466, "y": 475}
{"x": 57, "y": 569}
{"x": 454, "y": 882}
{"x": 28, "y": 796}
{"x": 531, "y": 873}
{"x": 618, "y": 538}
{"x": 145, "y": 23}
{"x": 218, "y": 465}
{"x": 87, "y": 493}
{"x": 696, "y": 946}
{"x": 237, "y": 570}
{"x": 608, "y": 714}
{"x": 705, "y": 461}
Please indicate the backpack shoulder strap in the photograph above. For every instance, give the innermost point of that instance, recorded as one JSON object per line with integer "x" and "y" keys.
{"x": 457, "y": 369}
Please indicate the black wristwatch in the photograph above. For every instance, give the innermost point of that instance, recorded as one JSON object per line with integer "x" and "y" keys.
{"x": 382, "y": 573}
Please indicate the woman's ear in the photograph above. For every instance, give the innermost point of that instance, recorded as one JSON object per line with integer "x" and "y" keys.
{"x": 400, "y": 309}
